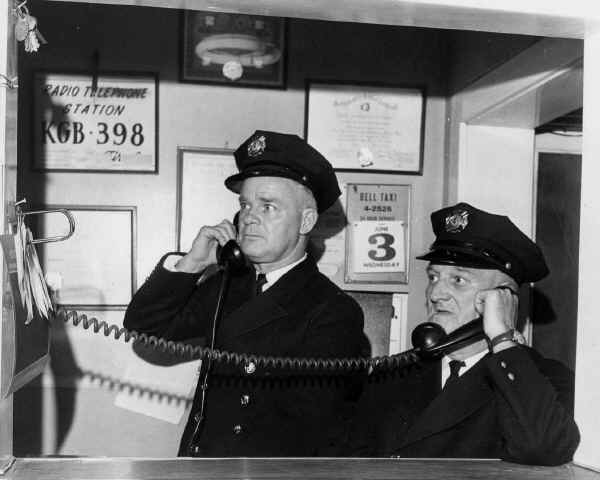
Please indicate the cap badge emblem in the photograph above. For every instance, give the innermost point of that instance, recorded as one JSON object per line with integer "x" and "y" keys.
{"x": 257, "y": 146}
{"x": 457, "y": 221}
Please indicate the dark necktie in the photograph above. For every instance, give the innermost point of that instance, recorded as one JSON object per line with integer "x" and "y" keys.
{"x": 261, "y": 279}
{"x": 455, "y": 366}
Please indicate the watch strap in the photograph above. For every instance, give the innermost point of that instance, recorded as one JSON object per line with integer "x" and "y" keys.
{"x": 508, "y": 336}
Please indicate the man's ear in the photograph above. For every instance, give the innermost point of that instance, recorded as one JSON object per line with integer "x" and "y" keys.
{"x": 506, "y": 281}
{"x": 509, "y": 286}
{"x": 309, "y": 220}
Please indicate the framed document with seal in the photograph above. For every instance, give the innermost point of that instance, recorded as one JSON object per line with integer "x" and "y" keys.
{"x": 106, "y": 123}
{"x": 371, "y": 128}
{"x": 377, "y": 239}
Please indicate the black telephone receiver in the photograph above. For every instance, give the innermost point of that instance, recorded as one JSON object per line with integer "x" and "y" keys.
{"x": 430, "y": 339}
{"x": 230, "y": 255}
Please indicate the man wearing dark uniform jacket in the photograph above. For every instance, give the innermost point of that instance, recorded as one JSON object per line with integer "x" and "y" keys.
{"x": 494, "y": 398}
{"x": 283, "y": 184}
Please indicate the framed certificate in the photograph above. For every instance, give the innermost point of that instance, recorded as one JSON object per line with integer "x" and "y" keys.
{"x": 360, "y": 127}
{"x": 106, "y": 123}
{"x": 202, "y": 198}
{"x": 95, "y": 269}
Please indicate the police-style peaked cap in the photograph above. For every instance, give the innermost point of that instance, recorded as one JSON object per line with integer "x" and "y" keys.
{"x": 468, "y": 237}
{"x": 272, "y": 154}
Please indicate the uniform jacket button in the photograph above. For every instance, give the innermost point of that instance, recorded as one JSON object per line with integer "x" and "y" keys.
{"x": 195, "y": 450}
{"x": 250, "y": 368}
{"x": 245, "y": 400}
{"x": 237, "y": 429}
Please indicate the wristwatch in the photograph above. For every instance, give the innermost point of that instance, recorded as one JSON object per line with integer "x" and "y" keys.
{"x": 511, "y": 335}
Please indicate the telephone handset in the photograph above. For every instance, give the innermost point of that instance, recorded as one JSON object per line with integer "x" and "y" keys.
{"x": 430, "y": 340}
{"x": 230, "y": 255}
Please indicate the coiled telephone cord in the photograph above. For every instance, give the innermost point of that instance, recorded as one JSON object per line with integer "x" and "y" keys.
{"x": 319, "y": 365}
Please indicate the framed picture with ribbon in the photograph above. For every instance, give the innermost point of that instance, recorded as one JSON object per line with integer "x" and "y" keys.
{"x": 233, "y": 49}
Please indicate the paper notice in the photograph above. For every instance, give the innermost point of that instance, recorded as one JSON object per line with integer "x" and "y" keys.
{"x": 157, "y": 391}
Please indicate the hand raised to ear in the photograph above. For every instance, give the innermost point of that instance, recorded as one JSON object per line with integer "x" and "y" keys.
{"x": 499, "y": 307}
{"x": 203, "y": 251}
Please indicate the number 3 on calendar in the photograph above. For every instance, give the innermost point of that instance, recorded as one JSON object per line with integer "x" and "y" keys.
{"x": 378, "y": 247}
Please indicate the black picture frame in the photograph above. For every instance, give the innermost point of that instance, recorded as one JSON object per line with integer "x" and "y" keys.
{"x": 226, "y": 38}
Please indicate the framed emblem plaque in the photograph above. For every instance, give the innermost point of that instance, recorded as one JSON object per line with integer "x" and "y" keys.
{"x": 233, "y": 49}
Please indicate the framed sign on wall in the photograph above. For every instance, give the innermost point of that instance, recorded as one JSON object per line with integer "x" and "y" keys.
{"x": 103, "y": 124}
{"x": 366, "y": 128}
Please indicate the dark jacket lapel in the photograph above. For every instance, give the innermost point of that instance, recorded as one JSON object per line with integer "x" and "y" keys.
{"x": 452, "y": 405}
{"x": 268, "y": 306}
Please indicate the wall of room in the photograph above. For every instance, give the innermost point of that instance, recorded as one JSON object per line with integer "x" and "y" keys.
{"x": 473, "y": 54}
{"x": 70, "y": 411}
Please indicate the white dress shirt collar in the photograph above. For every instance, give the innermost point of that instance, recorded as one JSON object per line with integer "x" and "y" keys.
{"x": 469, "y": 362}
{"x": 275, "y": 275}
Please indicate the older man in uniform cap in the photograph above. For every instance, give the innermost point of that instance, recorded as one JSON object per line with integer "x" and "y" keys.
{"x": 283, "y": 184}
{"x": 496, "y": 397}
